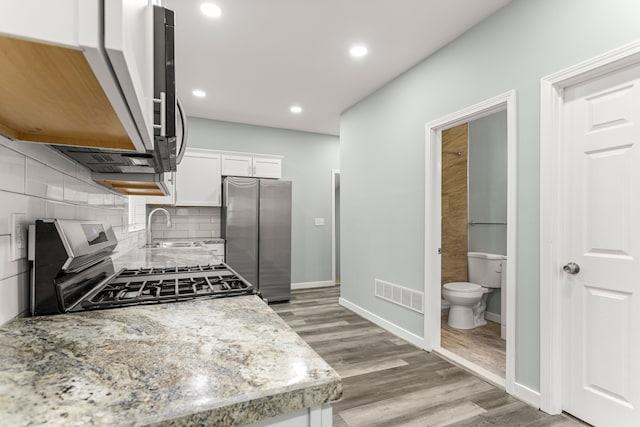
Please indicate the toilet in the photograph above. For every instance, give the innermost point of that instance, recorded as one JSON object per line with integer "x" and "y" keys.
{"x": 469, "y": 299}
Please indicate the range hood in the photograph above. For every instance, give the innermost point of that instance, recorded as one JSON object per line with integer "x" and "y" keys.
{"x": 129, "y": 173}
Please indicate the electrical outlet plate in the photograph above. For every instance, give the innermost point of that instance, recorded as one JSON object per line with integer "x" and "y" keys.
{"x": 18, "y": 236}
{"x": 319, "y": 221}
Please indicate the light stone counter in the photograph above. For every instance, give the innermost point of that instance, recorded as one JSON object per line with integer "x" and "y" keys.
{"x": 209, "y": 362}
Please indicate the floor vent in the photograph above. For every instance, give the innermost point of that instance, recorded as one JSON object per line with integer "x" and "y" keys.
{"x": 400, "y": 295}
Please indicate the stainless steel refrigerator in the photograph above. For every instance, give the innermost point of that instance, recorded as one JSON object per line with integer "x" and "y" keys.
{"x": 256, "y": 226}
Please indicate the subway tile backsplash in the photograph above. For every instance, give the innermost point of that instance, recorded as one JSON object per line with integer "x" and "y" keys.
{"x": 186, "y": 223}
{"x": 41, "y": 183}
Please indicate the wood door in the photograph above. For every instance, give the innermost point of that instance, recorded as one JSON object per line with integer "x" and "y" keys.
{"x": 600, "y": 182}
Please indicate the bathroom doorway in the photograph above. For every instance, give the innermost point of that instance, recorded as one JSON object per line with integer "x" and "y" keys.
{"x": 474, "y": 212}
{"x": 470, "y": 208}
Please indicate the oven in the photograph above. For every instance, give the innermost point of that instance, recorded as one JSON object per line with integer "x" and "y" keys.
{"x": 73, "y": 271}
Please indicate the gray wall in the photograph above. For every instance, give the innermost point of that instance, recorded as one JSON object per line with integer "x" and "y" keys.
{"x": 308, "y": 161}
{"x": 488, "y": 189}
{"x": 383, "y": 148}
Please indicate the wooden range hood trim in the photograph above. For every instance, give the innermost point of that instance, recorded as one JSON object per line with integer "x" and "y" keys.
{"x": 51, "y": 95}
{"x": 142, "y": 184}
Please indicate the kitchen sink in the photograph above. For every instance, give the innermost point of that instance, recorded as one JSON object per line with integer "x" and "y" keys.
{"x": 167, "y": 245}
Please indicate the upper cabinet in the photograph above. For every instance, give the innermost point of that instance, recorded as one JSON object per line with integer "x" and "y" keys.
{"x": 198, "y": 181}
{"x": 65, "y": 82}
{"x": 259, "y": 166}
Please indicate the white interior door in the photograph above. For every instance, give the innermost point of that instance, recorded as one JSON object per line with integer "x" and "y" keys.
{"x": 601, "y": 227}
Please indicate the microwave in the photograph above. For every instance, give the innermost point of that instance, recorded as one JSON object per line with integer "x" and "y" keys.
{"x": 170, "y": 130}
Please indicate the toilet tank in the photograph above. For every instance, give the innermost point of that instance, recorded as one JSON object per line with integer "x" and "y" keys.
{"x": 485, "y": 269}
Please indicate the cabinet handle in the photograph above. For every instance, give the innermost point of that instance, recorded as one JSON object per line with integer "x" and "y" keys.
{"x": 163, "y": 114}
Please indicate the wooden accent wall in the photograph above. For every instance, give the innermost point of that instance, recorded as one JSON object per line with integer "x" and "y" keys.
{"x": 455, "y": 216}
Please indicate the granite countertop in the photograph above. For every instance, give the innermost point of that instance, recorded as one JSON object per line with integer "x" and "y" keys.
{"x": 209, "y": 362}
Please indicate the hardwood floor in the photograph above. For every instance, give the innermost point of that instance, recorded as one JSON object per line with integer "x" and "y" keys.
{"x": 482, "y": 346}
{"x": 389, "y": 382}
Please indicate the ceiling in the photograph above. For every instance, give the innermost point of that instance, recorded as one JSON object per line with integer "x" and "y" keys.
{"x": 261, "y": 57}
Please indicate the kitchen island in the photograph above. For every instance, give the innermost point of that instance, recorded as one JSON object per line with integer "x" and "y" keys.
{"x": 229, "y": 361}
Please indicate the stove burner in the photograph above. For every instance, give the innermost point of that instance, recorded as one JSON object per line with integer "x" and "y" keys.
{"x": 168, "y": 270}
{"x": 144, "y": 286}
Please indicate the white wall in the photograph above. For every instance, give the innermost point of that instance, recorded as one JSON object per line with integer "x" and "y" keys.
{"x": 308, "y": 161}
{"x": 41, "y": 183}
{"x": 382, "y": 142}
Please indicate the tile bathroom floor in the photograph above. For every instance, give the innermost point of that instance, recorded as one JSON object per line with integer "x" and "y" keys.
{"x": 389, "y": 382}
{"x": 482, "y": 346}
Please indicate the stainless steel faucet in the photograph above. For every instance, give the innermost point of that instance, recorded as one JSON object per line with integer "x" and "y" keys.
{"x": 168, "y": 215}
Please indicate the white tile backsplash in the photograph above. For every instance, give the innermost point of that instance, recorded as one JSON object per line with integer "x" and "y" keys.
{"x": 12, "y": 170}
{"x": 15, "y": 296}
{"x": 187, "y": 223}
{"x": 10, "y": 268}
{"x": 42, "y": 183}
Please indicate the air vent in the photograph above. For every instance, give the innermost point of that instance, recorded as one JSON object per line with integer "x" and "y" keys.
{"x": 400, "y": 295}
{"x": 102, "y": 158}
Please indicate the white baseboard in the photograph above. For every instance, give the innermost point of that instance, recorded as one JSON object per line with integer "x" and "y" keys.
{"x": 309, "y": 285}
{"x": 527, "y": 395}
{"x": 383, "y": 323}
{"x": 493, "y": 317}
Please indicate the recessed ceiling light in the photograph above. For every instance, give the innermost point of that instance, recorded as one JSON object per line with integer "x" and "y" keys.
{"x": 210, "y": 10}
{"x": 296, "y": 109}
{"x": 358, "y": 51}
{"x": 199, "y": 93}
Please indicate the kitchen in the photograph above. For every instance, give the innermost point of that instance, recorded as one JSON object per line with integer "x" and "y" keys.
{"x": 38, "y": 182}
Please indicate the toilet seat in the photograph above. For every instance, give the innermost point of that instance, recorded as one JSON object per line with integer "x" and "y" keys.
{"x": 463, "y": 287}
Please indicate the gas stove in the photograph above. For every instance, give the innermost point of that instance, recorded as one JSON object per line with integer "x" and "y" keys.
{"x": 146, "y": 286}
{"x": 73, "y": 271}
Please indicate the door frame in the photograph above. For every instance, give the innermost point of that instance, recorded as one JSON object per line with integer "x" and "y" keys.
{"x": 551, "y": 160}
{"x": 433, "y": 225}
{"x": 334, "y": 172}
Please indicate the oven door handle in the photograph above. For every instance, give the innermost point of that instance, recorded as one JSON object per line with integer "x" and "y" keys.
{"x": 96, "y": 289}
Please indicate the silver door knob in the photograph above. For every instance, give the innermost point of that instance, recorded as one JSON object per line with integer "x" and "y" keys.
{"x": 571, "y": 268}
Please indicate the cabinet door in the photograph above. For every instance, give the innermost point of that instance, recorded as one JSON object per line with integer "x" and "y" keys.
{"x": 233, "y": 165}
{"x": 165, "y": 200}
{"x": 128, "y": 40}
{"x": 198, "y": 181}
{"x": 267, "y": 167}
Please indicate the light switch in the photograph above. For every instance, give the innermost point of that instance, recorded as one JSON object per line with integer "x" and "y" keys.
{"x": 319, "y": 221}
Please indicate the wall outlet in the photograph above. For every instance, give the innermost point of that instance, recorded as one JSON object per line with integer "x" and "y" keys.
{"x": 319, "y": 221}
{"x": 18, "y": 236}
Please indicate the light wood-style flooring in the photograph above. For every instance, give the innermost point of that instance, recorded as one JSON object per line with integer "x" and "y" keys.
{"x": 389, "y": 382}
{"x": 482, "y": 346}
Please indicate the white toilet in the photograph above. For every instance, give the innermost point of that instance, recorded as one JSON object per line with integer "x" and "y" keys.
{"x": 469, "y": 299}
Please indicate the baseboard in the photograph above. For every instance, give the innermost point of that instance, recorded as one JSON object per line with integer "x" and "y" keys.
{"x": 527, "y": 395}
{"x": 309, "y": 285}
{"x": 493, "y": 317}
{"x": 383, "y": 323}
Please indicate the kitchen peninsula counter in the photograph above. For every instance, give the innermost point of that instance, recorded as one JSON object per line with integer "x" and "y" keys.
{"x": 229, "y": 361}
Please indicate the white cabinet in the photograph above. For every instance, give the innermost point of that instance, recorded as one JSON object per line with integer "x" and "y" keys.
{"x": 254, "y": 166}
{"x": 198, "y": 179}
{"x": 128, "y": 40}
{"x": 267, "y": 167}
{"x": 237, "y": 165}
{"x": 58, "y": 68}
{"x": 165, "y": 200}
